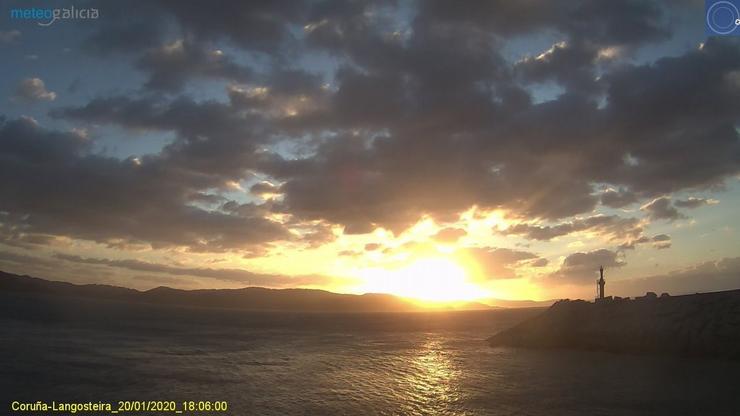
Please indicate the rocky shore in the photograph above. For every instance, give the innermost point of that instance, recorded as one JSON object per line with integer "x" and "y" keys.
{"x": 706, "y": 324}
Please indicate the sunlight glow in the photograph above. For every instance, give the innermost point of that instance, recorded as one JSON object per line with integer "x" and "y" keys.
{"x": 436, "y": 279}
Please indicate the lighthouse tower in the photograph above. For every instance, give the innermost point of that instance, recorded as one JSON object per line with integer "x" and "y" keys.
{"x": 600, "y": 283}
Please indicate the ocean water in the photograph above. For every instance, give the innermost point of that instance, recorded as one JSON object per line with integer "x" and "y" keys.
{"x": 433, "y": 363}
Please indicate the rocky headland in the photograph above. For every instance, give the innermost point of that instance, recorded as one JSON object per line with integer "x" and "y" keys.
{"x": 706, "y": 324}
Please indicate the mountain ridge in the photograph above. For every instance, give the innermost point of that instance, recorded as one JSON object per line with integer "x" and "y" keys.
{"x": 247, "y": 298}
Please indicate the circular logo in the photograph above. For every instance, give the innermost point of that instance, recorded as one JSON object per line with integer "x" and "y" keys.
{"x": 723, "y": 17}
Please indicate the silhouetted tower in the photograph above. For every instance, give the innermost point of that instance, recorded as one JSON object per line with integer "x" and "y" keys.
{"x": 600, "y": 283}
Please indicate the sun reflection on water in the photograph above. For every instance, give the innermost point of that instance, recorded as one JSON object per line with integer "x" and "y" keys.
{"x": 434, "y": 380}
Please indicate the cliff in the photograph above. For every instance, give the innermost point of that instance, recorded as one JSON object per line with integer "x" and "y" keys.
{"x": 706, "y": 324}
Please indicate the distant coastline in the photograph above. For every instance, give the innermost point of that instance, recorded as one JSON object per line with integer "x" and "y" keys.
{"x": 704, "y": 324}
{"x": 249, "y": 298}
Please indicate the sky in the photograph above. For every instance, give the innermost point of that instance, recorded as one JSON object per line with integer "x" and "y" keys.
{"x": 439, "y": 150}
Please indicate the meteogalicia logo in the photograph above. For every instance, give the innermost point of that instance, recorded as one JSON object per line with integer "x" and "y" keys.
{"x": 47, "y": 16}
{"x": 722, "y": 17}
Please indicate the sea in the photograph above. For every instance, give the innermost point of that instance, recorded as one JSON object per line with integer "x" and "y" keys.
{"x": 273, "y": 363}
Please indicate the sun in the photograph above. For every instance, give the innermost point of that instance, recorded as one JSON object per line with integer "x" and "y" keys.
{"x": 433, "y": 279}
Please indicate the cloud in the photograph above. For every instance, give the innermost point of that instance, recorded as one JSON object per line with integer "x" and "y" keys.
{"x": 613, "y": 23}
{"x": 34, "y": 89}
{"x": 583, "y": 268}
{"x": 264, "y": 188}
{"x": 709, "y": 276}
{"x": 693, "y": 202}
{"x": 314, "y": 234}
{"x": 541, "y": 262}
{"x": 570, "y": 65}
{"x": 263, "y": 26}
{"x": 660, "y": 241}
{"x": 171, "y": 65}
{"x": 484, "y": 165}
{"x": 127, "y": 30}
{"x": 282, "y": 96}
{"x": 213, "y": 138}
{"x": 435, "y": 120}
{"x": 61, "y": 188}
{"x": 372, "y": 246}
{"x": 497, "y": 263}
{"x": 611, "y": 226}
{"x": 618, "y": 198}
{"x": 228, "y": 275}
{"x": 662, "y": 209}
{"x": 425, "y": 120}
{"x": 449, "y": 235}
{"x": 6, "y": 256}
{"x": 658, "y": 127}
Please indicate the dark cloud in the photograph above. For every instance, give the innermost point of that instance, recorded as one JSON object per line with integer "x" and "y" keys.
{"x": 61, "y": 188}
{"x": 125, "y": 35}
{"x": 660, "y": 241}
{"x": 259, "y": 25}
{"x": 618, "y": 198}
{"x": 314, "y": 234}
{"x": 611, "y": 226}
{"x": 213, "y": 138}
{"x": 420, "y": 116}
{"x": 672, "y": 139}
{"x": 293, "y": 100}
{"x": 469, "y": 160}
{"x": 624, "y": 22}
{"x": 12, "y": 234}
{"x": 262, "y": 25}
{"x": 662, "y": 237}
{"x": 430, "y": 119}
{"x": 572, "y": 66}
{"x": 126, "y": 28}
{"x": 662, "y": 209}
{"x": 172, "y": 64}
{"x": 264, "y": 188}
{"x": 583, "y": 268}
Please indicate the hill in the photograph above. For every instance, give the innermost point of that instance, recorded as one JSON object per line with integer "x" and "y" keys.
{"x": 250, "y": 298}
